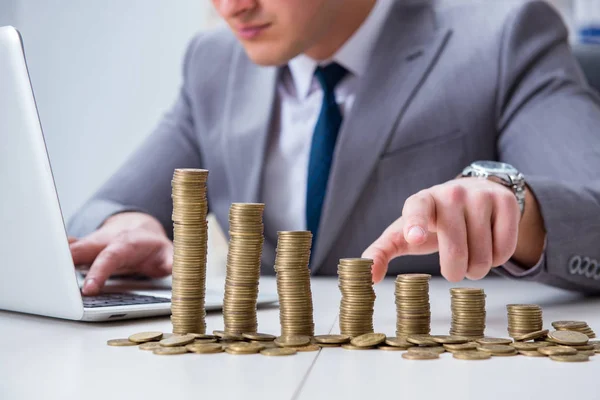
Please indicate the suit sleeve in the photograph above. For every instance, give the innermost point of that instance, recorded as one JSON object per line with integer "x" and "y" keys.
{"x": 549, "y": 128}
{"x": 143, "y": 183}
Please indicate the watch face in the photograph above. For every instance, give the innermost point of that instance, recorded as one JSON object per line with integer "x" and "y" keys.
{"x": 495, "y": 167}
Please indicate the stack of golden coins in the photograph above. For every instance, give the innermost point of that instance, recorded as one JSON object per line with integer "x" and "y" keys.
{"x": 524, "y": 318}
{"x": 468, "y": 312}
{"x": 243, "y": 267}
{"x": 577, "y": 326}
{"x": 413, "y": 313}
{"x": 358, "y": 296}
{"x": 190, "y": 235}
{"x": 293, "y": 283}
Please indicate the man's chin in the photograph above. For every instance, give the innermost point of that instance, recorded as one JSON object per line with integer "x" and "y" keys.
{"x": 267, "y": 55}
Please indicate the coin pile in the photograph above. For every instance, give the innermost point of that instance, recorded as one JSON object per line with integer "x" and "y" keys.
{"x": 524, "y": 319}
{"x": 190, "y": 235}
{"x": 293, "y": 283}
{"x": 577, "y": 326}
{"x": 243, "y": 267}
{"x": 413, "y": 314}
{"x": 355, "y": 281}
{"x": 468, "y": 312}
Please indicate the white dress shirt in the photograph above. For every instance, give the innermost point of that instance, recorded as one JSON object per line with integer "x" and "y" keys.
{"x": 299, "y": 100}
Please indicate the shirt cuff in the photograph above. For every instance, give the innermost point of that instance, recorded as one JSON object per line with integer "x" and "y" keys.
{"x": 516, "y": 270}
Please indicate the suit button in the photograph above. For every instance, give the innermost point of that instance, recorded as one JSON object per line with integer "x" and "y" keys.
{"x": 574, "y": 265}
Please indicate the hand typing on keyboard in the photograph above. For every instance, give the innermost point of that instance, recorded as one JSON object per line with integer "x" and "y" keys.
{"x": 126, "y": 243}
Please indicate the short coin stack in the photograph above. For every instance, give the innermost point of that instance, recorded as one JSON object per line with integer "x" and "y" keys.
{"x": 577, "y": 326}
{"x": 413, "y": 313}
{"x": 524, "y": 319}
{"x": 190, "y": 232}
{"x": 243, "y": 267}
{"x": 293, "y": 283}
{"x": 358, "y": 297}
{"x": 468, "y": 312}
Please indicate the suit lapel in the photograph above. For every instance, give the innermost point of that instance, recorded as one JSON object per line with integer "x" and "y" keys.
{"x": 248, "y": 114}
{"x": 405, "y": 52}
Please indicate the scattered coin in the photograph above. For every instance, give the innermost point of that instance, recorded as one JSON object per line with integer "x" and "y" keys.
{"x": 307, "y": 348}
{"x": 530, "y": 345}
{"x": 497, "y": 349}
{"x": 121, "y": 342}
{"x": 332, "y": 339}
{"x": 278, "y": 351}
{"x": 349, "y": 346}
{"x": 421, "y": 340}
{"x": 531, "y": 353}
{"x": 491, "y": 340}
{"x": 170, "y": 350}
{"x": 329, "y": 344}
{"x": 557, "y": 350}
{"x": 244, "y": 348}
{"x": 588, "y": 353}
{"x": 368, "y": 340}
{"x": 578, "y": 326}
{"x": 398, "y": 342}
{"x": 471, "y": 355}
{"x": 292, "y": 341}
{"x": 570, "y": 358}
{"x": 461, "y": 347}
{"x": 259, "y": 336}
{"x": 438, "y": 350}
{"x": 448, "y": 339}
{"x": 177, "y": 340}
{"x": 532, "y": 335}
{"x": 197, "y": 336}
{"x": 145, "y": 337}
{"x": 207, "y": 348}
{"x": 569, "y": 337}
{"x": 149, "y": 346}
{"x": 391, "y": 348}
{"x": 228, "y": 336}
{"x": 508, "y": 354}
{"x": 420, "y": 355}
{"x": 581, "y": 347}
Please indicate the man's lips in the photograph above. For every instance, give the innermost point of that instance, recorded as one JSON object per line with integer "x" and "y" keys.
{"x": 250, "y": 32}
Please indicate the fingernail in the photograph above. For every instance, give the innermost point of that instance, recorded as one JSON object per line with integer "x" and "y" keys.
{"x": 415, "y": 233}
{"x": 89, "y": 286}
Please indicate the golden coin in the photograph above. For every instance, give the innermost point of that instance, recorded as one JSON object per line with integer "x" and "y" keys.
{"x": 570, "y": 358}
{"x": 557, "y": 350}
{"x": 568, "y": 337}
{"x": 531, "y": 353}
{"x": 205, "y": 348}
{"x": 449, "y": 339}
{"x": 243, "y": 347}
{"x": 532, "y": 335}
{"x": 569, "y": 324}
{"x": 227, "y": 336}
{"x": 349, "y": 346}
{"x": 200, "y": 336}
{"x": 530, "y": 345}
{"x": 329, "y": 345}
{"x": 292, "y": 341}
{"x": 398, "y": 342}
{"x": 145, "y": 337}
{"x": 491, "y": 340}
{"x": 422, "y": 340}
{"x": 177, "y": 340}
{"x": 368, "y": 340}
{"x": 589, "y": 353}
{"x": 309, "y": 347}
{"x": 259, "y": 336}
{"x": 472, "y": 355}
{"x": 582, "y": 347}
{"x": 278, "y": 351}
{"x": 391, "y": 348}
{"x": 204, "y": 341}
{"x": 121, "y": 342}
{"x": 170, "y": 350}
{"x": 508, "y": 354}
{"x": 332, "y": 339}
{"x": 460, "y": 347}
{"x": 438, "y": 350}
{"x": 149, "y": 346}
{"x": 420, "y": 355}
{"x": 496, "y": 348}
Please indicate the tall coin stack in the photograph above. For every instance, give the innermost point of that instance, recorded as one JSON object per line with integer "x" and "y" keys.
{"x": 413, "y": 311}
{"x": 358, "y": 297}
{"x": 189, "y": 258}
{"x": 243, "y": 267}
{"x": 468, "y": 312}
{"x": 293, "y": 283}
{"x": 524, "y": 318}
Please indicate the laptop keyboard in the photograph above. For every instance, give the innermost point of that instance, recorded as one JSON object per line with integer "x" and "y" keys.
{"x": 121, "y": 299}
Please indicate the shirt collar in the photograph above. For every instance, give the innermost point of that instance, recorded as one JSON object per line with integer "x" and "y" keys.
{"x": 353, "y": 55}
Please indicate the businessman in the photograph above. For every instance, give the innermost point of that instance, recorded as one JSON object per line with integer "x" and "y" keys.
{"x": 441, "y": 139}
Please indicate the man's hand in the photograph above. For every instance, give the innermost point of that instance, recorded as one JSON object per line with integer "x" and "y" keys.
{"x": 473, "y": 223}
{"x": 126, "y": 243}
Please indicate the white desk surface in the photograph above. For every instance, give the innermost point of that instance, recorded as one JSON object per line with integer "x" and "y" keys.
{"x": 42, "y": 358}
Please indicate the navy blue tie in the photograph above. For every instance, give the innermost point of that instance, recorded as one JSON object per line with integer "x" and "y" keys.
{"x": 323, "y": 145}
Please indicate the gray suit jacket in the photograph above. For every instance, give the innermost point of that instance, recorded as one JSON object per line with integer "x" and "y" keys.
{"x": 446, "y": 86}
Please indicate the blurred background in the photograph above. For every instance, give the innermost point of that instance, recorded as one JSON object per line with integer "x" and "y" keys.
{"x": 105, "y": 71}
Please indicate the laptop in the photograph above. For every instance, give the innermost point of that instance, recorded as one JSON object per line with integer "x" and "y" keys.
{"x": 37, "y": 275}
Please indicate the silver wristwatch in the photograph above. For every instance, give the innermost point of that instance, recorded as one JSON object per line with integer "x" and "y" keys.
{"x": 502, "y": 173}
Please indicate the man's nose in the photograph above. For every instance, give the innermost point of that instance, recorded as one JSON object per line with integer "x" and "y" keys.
{"x": 232, "y": 8}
